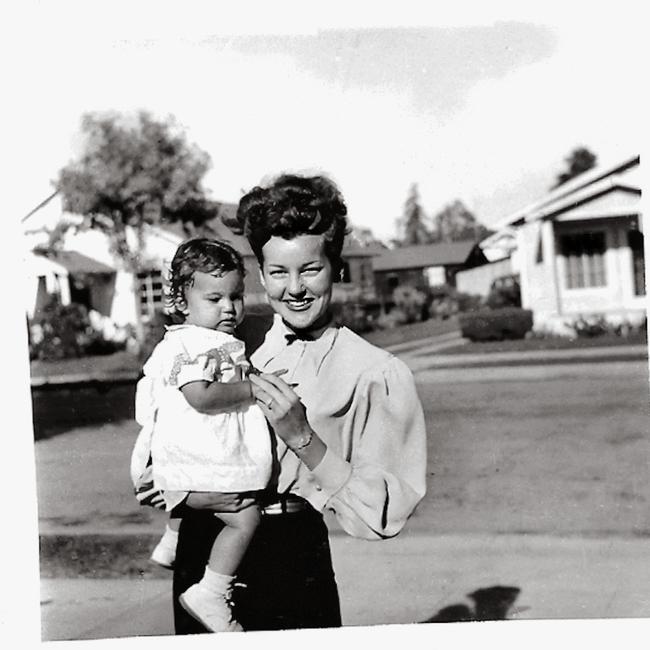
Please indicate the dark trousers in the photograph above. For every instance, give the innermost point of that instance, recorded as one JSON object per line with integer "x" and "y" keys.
{"x": 287, "y": 570}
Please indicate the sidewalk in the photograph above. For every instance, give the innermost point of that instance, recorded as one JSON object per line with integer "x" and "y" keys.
{"x": 411, "y": 578}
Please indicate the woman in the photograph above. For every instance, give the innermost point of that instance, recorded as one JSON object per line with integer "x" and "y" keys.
{"x": 348, "y": 424}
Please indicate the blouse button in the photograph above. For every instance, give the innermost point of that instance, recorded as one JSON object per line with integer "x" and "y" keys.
{"x": 318, "y": 488}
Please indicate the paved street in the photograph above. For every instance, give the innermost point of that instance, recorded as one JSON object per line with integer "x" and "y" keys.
{"x": 537, "y": 505}
{"x": 409, "y": 579}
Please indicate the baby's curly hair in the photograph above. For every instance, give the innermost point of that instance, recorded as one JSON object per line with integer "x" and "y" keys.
{"x": 198, "y": 254}
{"x": 295, "y": 205}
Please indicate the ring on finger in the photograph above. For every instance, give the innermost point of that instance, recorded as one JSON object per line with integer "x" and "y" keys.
{"x": 268, "y": 404}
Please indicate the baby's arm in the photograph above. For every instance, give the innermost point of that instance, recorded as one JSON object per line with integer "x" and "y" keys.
{"x": 216, "y": 397}
{"x": 212, "y": 397}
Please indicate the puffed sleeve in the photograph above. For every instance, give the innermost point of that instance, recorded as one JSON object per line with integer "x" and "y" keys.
{"x": 375, "y": 491}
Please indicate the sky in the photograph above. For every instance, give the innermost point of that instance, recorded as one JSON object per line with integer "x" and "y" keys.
{"x": 475, "y": 104}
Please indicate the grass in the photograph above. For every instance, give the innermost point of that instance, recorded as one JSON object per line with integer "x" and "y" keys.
{"x": 104, "y": 364}
{"x": 550, "y": 343}
{"x": 412, "y": 332}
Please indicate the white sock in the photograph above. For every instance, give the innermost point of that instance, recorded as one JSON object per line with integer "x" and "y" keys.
{"x": 170, "y": 532}
{"x": 217, "y": 583}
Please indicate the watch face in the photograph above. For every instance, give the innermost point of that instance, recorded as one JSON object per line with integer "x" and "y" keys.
{"x": 303, "y": 442}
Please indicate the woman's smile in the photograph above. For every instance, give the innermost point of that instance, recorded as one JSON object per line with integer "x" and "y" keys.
{"x": 299, "y": 305}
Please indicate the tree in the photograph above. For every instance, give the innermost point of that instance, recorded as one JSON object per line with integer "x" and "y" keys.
{"x": 364, "y": 236}
{"x": 578, "y": 161}
{"x": 411, "y": 227}
{"x": 135, "y": 172}
{"x": 456, "y": 223}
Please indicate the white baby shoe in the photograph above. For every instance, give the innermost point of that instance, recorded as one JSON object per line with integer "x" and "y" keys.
{"x": 210, "y": 608}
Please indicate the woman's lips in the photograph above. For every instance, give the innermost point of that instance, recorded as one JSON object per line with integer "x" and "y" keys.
{"x": 299, "y": 305}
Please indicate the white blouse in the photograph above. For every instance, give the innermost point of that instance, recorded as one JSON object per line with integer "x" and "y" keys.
{"x": 192, "y": 451}
{"x": 362, "y": 402}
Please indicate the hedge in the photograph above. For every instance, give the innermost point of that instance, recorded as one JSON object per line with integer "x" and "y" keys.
{"x": 496, "y": 324}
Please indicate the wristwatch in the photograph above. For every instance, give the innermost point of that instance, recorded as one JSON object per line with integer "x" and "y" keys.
{"x": 305, "y": 441}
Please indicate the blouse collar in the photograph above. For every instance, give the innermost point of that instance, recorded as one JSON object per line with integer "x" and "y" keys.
{"x": 281, "y": 336}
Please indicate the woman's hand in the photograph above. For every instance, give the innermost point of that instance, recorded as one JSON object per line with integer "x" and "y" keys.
{"x": 220, "y": 501}
{"x": 281, "y": 406}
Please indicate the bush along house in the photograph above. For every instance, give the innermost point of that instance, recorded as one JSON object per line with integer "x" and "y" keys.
{"x": 580, "y": 252}
{"x": 423, "y": 266}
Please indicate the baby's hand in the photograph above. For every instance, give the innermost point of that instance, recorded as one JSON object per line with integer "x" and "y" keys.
{"x": 278, "y": 373}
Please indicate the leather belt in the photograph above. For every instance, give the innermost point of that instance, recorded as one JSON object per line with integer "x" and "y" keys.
{"x": 285, "y": 504}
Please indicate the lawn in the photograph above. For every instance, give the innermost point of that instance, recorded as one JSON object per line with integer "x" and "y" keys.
{"x": 560, "y": 456}
{"x": 550, "y": 343}
{"x": 412, "y": 332}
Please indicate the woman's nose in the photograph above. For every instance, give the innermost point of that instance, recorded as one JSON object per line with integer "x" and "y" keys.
{"x": 295, "y": 287}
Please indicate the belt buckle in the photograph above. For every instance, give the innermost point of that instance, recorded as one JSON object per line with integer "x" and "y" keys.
{"x": 283, "y": 505}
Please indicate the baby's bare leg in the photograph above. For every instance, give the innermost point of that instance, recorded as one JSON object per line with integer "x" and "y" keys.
{"x": 231, "y": 543}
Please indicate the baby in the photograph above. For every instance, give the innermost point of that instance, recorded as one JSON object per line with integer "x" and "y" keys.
{"x": 200, "y": 423}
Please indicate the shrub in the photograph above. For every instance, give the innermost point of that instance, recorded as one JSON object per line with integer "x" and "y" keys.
{"x": 354, "y": 316}
{"x": 153, "y": 331}
{"x": 496, "y": 324}
{"x": 591, "y": 327}
{"x": 410, "y": 302}
{"x": 66, "y": 331}
{"x": 446, "y": 301}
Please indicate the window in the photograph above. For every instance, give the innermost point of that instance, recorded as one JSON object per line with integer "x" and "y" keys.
{"x": 635, "y": 242}
{"x": 584, "y": 255}
{"x": 150, "y": 290}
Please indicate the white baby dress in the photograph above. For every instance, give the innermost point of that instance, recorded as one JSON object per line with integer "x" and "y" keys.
{"x": 192, "y": 451}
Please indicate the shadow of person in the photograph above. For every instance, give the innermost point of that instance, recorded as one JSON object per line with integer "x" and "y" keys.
{"x": 490, "y": 604}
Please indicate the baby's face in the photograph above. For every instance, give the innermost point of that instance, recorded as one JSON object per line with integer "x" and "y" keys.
{"x": 215, "y": 301}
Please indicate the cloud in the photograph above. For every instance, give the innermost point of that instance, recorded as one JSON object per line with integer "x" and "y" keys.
{"x": 435, "y": 67}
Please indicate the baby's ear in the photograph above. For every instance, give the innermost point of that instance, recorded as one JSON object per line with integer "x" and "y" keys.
{"x": 180, "y": 305}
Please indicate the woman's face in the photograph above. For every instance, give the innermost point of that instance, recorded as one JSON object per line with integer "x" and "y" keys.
{"x": 297, "y": 276}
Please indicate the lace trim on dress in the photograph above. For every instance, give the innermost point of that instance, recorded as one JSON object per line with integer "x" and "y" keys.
{"x": 222, "y": 356}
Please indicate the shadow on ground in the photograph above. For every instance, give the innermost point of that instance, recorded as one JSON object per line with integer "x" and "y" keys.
{"x": 490, "y": 604}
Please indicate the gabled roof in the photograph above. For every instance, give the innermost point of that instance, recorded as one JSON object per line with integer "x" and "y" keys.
{"x": 75, "y": 263}
{"x": 576, "y": 187}
{"x": 423, "y": 255}
{"x": 583, "y": 195}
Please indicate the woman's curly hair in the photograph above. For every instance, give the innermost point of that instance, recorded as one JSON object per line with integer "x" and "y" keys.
{"x": 198, "y": 254}
{"x": 295, "y": 205}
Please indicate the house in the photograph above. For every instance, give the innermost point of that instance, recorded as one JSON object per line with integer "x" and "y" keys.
{"x": 580, "y": 248}
{"x": 83, "y": 269}
{"x": 423, "y": 266}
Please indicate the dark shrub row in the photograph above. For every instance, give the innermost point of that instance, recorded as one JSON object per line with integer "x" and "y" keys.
{"x": 496, "y": 324}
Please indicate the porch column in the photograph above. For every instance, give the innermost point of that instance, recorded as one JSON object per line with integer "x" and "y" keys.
{"x": 550, "y": 257}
